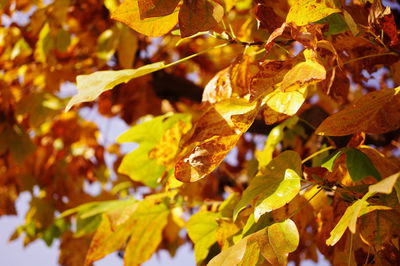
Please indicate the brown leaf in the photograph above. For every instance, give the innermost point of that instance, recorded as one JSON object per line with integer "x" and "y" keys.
{"x": 156, "y": 8}
{"x": 375, "y": 113}
{"x": 73, "y": 250}
{"x": 199, "y": 15}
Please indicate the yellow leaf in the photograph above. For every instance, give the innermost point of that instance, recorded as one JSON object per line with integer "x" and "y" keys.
{"x": 233, "y": 81}
{"x": 304, "y": 73}
{"x": 376, "y": 112}
{"x": 303, "y": 12}
{"x": 279, "y": 105}
{"x": 274, "y": 242}
{"x": 214, "y": 134}
{"x": 128, "y": 13}
{"x": 91, "y": 86}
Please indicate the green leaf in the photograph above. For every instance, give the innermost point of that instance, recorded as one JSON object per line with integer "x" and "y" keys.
{"x": 278, "y": 185}
{"x": 303, "y": 12}
{"x": 91, "y": 86}
{"x": 359, "y": 165}
{"x": 202, "y": 229}
{"x": 336, "y": 23}
{"x": 137, "y": 164}
{"x": 139, "y": 167}
{"x": 274, "y": 242}
{"x": 329, "y": 162}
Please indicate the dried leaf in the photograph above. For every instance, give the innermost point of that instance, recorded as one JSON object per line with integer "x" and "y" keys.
{"x": 199, "y": 15}
{"x": 156, "y": 8}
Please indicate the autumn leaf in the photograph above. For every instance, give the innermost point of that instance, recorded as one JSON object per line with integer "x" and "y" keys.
{"x": 202, "y": 229}
{"x": 213, "y": 135}
{"x": 275, "y": 136}
{"x": 199, "y": 15}
{"x": 303, "y": 73}
{"x": 376, "y": 112}
{"x": 91, "y": 86}
{"x": 156, "y": 8}
{"x": 233, "y": 81}
{"x": 266, "y": 242}
{"x": 129, "y": 13}
{"x": 349, "y": 218}
{"x": 306, "y": 11}
{"x": 142, "y": 164}
{"x": 144, "y": 226}
{"x": 277, "y": 185}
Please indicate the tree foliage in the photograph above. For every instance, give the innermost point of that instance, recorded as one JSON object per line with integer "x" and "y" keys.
{"x": 264, "y": 131}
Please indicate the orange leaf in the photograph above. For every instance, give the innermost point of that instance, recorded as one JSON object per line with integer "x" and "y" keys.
{"x": 199, "y": 15}
{"x": 213, "y": 136}
{"x": 375, "y": 113}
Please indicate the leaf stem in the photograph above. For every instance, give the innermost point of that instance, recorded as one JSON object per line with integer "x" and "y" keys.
{"x": 317, "y": 153}
{"x": 196, "y": 54}
{"x": 367, "y": 56}
{"x": 351, "y": 249}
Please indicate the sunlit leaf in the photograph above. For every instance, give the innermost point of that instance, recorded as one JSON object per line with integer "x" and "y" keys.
{"x": 128, "y": 13}
{"x": 329, "y": 162}
{"x": 274, "y": 242}
{"x": 146, "y": 235}
{"x": 213, "y": 135}
{"x": 145, "y": 224}
{"x": 278, "y": 185}
{"x": 306, "y": 11}
{"x": 376, "y": 112}
{"x": 349, "y": 218}
{"x": 202, "y": 229}
{"x": 91, "y": 86}
{"x": 304, "y": 73}
{"x": 359, "y": 165}
{"x": 142, "y": 164}
{"x": 385, "y": 186}
{"x": 199, "y": 15}
{"x": 233, "y": 81}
